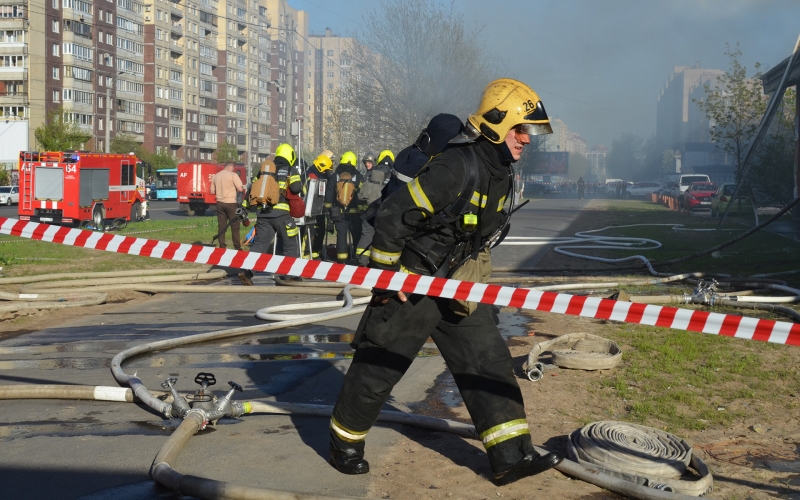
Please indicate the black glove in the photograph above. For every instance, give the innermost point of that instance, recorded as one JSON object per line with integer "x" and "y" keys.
{"x": 335, "y": 214}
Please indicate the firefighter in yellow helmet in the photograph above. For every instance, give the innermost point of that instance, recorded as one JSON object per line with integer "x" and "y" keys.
{"x": 341, "y": 201}
{"x": 318, "y": 174}
{"x": 275, "y": 219}
{"x": 443, "y": 224}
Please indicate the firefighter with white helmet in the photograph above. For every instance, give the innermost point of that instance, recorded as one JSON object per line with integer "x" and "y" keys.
{"x": 443, "y": 223}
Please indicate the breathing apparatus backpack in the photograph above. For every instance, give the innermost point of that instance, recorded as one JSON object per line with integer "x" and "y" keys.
{"x": 460, "y": 221}
{"x": 345, "y": 189}
{"x": 265, "y": 190}
{"x": 372, "y": 188}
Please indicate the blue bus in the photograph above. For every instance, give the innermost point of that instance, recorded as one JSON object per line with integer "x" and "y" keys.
{"x": 166, "y": 184}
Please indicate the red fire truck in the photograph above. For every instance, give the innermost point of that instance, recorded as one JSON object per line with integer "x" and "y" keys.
{"x": 72, "y": 186}
{"x": 194, "y": 185}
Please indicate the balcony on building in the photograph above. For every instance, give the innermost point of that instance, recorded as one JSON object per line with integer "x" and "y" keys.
{"x": 176, "y": 42}
{"x": 176, "y": 57}
{"x": 176, "y": 24}
{"x": 13, "y": 16}
{"x": 13, "y": 92}
{"x": 177, "y": 8}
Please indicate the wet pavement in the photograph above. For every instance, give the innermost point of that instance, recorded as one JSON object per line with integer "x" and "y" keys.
{"x": 103, "y": 450}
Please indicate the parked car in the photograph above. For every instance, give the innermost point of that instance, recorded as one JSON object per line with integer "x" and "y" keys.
{"x": 669, "y": 189}
{"x": 9, "y": 195}
{"x": 722, "y": 198}
{"x": 699, "y": 195}
{"x": 615, "y": 187}
{"x": 536, "y": 188}
{"x": 642, "y": 188}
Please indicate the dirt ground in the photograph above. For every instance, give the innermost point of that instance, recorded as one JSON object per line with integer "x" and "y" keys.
{"x": 434, "y": 465}
{"x": 742, "y": 457}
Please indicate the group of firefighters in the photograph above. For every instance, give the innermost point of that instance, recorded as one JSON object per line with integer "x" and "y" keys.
{"x": 443, "y": 203}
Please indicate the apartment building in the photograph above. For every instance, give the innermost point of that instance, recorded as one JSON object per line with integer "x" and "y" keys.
{"x": 180, "y": 76}
{"x": 330, "y": 67}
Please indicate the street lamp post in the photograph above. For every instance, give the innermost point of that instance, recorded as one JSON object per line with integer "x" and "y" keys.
{"x": 249, "y": 137}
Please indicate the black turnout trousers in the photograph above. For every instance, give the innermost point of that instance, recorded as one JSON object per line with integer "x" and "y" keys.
{"x": 389, "y": 338}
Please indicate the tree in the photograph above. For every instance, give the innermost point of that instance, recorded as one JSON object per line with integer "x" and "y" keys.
{"x": 59, "y": 133}
{"x": 5, "y": 177}
{"x": 412, "y": 60}
{"x": 624, "y": 160}
{"x": 159, "y": 161}
{"x": 772, "y": 164}
{"x": 227, "y": 152}
{"x": 734, "y": 106}
{"x": 126, "y": 144}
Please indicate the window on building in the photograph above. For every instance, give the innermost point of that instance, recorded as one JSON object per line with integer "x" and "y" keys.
{"x": 56, "y": 49}
{"x": 56, "y": 96}
{"x": 330, "y": 53}
{"x": 55, "y": 74}
{"x": 330, "y": 75}
{"x": 56, "y": 26}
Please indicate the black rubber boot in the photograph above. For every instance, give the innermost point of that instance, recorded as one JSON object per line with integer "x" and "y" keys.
{"x": 244, "y": 277}
{"x": 531, "y": 465}
{"x": 350, "y": 461}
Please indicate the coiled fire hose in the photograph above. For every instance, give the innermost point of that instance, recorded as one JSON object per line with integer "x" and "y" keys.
{"x": 642, "y": 455}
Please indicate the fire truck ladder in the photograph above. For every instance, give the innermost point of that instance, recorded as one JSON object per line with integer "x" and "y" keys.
{"x": 26, "y": 176}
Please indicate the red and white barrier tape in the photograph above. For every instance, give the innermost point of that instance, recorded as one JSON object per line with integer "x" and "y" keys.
{"x": 669, "y": 317}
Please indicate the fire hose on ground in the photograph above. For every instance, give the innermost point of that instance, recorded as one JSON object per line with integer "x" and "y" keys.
{"x": 195, "y": 419}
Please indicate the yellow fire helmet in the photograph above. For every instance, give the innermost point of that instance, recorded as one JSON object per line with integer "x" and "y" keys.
{"x": 323, "y": 163}
{"x": 383, "y": 154}
{"x": 286, "y": 152}
{"x": 505, "y": 104}
{"x": 350, "y": 158}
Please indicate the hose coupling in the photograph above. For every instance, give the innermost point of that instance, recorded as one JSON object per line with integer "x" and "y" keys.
{"x": 659, "y": 486}
{"x": 238, "y": 409}
{"x": 199, "y": 415}
{"x": 535, "y": 372}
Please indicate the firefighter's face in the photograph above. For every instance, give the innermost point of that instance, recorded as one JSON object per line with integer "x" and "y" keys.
{"x": 368, "y": 165}
{"x": 516, "y": 140}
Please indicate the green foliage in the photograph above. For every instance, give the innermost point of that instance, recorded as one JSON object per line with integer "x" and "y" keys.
{"x": 771, "y": 169}
{"x": 5, "y": 177}
{"x": 59, "y": 134}
{"x": 125, "y": 144}
{"x": 734, "y": 106}
{"x": 160, "y": 160}
{"x": 227, "y": 152}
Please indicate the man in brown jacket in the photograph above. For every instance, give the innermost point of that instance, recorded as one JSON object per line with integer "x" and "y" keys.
{"x": 225, "y": 185}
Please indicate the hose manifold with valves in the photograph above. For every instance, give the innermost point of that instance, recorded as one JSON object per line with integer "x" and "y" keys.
{"x": 204, "y": 403}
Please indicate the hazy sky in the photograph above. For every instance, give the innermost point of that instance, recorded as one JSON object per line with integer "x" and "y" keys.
{"x": 599, "y": 65}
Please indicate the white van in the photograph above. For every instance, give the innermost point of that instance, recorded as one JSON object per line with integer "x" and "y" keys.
{"x": 612, "y": 185}
{"x": 686, "y": 180}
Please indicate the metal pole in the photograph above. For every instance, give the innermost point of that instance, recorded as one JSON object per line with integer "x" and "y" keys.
{"x": 108, "y": 122}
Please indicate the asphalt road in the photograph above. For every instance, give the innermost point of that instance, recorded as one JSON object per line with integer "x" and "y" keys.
{"x": 103, "y": 450}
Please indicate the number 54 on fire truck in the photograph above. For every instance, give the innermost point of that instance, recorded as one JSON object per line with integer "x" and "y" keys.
{"x": 70, "y": 187}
